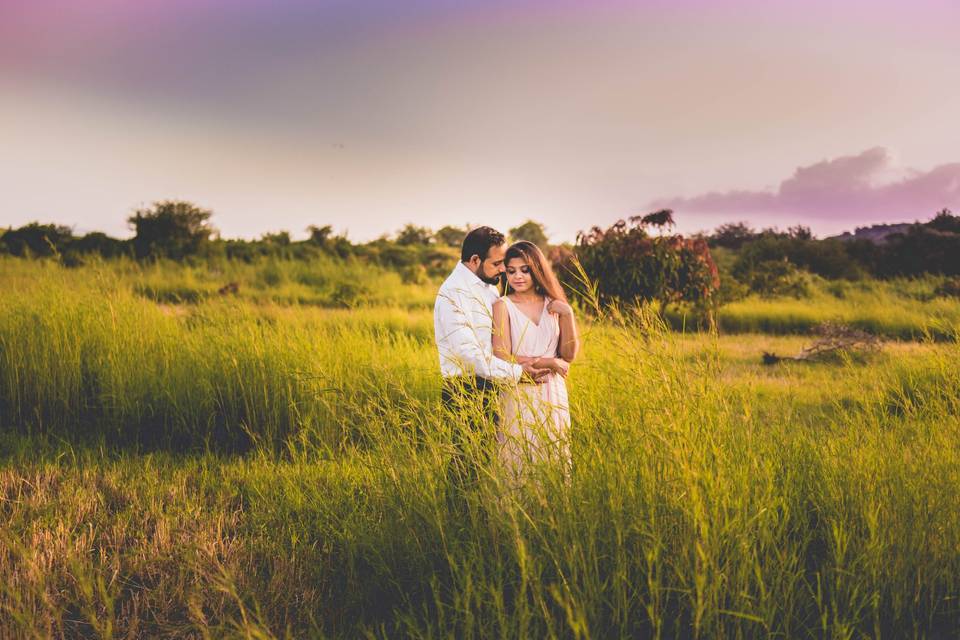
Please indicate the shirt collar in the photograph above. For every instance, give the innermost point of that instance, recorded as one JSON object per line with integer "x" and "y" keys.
{"x": 469, "y": 277}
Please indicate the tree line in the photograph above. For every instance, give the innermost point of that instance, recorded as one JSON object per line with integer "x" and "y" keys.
{"x": 770, "y": 262}
{"x": 182, "y": 231}
{"x": 636, "y": 259}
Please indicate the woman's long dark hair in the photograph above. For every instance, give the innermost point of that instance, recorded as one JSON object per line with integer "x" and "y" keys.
{"x": 544, "y": 280}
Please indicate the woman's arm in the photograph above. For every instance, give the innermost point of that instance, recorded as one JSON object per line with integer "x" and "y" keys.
{"x": 501, "y": 332}
{"x": 569, "y": 344}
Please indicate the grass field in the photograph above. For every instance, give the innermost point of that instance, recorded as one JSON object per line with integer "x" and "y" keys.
{"x": 904, "y": 309}
{"x": 897, "y": 309}
{"x": 264, "y": 466}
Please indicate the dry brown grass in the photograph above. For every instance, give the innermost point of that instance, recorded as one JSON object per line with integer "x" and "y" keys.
{"x": 118, "y": 551}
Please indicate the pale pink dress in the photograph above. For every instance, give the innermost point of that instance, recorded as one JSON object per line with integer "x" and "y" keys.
{"x": 534, "y": 418}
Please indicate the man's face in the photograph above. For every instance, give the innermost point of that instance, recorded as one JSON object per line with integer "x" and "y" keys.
{"x": 491, "y": 269}
{"x": 493, "y": 265}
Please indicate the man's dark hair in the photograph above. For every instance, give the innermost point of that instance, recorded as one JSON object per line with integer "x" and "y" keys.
{"x": 479, "y": 241}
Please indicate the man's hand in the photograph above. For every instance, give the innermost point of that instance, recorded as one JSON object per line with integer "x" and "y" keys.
{"x": 534, "y": 373}
{"x": 560, "y": 308}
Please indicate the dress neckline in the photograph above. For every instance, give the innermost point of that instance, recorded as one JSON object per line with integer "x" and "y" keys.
{"x": 542, "y": 311}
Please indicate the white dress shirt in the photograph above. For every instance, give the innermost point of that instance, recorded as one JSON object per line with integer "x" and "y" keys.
{"x": 463, "y": 328}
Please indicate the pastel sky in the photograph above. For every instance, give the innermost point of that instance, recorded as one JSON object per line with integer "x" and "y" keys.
{"x": 366, "y": 115}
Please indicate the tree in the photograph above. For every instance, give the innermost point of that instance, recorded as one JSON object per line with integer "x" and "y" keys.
{"x": 450, "y": 236}
{"x": 280, "y": 238}
{"x": 662, "y": 219}
{"x": 37, "y": 239}
{"x": 101, "y": 243}
{"x": 732, "y": 235}
{"x": 826, "y": 258}
{"x": 921, "y": 250}
{"x": 320, "y": 235}
{"x": 945, "y": 221}
{"x": 172, "y": 228}
{"x": 531, "y": 232}
{"x": 411, "y": 234}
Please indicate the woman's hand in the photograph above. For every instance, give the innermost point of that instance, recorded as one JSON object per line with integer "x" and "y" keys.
{"x": 555, "y": 365}
{"x": 537, "y": 374}
{"x": 561, "y": 366}
{"x": 560, "y": 308}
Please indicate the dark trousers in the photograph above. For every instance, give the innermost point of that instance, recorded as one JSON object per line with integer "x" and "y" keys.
{"x": 471, "y": 405}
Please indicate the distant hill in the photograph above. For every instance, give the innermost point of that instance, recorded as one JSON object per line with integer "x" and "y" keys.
{"x": 877, "y": 233}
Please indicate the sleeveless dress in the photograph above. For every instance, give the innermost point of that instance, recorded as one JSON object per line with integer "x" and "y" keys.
{"x": 534, "y": 418}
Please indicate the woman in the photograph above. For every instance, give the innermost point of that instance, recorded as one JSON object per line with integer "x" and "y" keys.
{"x": 534, "y": 323}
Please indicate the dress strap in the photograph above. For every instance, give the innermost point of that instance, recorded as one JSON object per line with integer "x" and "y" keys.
{"x": 516, "y": 316}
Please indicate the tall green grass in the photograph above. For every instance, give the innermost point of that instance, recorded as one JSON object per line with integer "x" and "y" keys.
{"x": 324, "y": 281}
{"x": 903, "y": 309}
{"x": 710, "y": 496}
{"x": 94, "y": 358}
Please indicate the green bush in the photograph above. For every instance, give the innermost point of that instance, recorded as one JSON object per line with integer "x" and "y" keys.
{"x": 772, "y": 278}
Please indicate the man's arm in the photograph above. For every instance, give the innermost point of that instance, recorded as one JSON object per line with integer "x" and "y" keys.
{"x": 464, "y": 342}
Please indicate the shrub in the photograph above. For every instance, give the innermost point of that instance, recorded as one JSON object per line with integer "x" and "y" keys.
{"x": 531, "y": 232}
{"x": 775, "y": 278}
{"x": 630, "y": 265}
{"x": 921, "y": 250}
{"x": 945, "y": 221}
{"x": 949, "y": 288}
{"x": 450, "y": 236}
{"x": 826, "y": 258}
{"x": 101, "y": 243}
{"x": 414, "y": 274}
{"x": 172, "y": 229}
{"x": 730, "y": 290}
{"x": 397, "y": 256}
{"x": 35, "y": 239}
{"x": 411, "y": 234}
{"x": 271, "y": 275}
{"x": 732, "y": 235}
{"x": 173, "y": 293}
{"x": 347, "y": 294}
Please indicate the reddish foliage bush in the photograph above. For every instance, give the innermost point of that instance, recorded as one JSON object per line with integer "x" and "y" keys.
{"x": 627, "y": 264}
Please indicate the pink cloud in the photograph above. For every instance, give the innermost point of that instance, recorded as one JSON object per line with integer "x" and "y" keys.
{"x": 853, "y": 189}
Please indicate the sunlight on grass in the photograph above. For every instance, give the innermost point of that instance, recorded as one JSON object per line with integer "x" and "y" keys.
{"x": 241, "y": 466}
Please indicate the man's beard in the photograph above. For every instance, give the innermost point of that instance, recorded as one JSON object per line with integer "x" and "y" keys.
{"x": 495, "y": 280}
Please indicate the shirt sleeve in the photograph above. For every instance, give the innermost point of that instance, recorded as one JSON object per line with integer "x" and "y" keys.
{"x": 463, "y": 343}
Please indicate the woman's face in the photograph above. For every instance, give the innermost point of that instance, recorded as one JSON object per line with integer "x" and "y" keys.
{"x": 518, "y": 275}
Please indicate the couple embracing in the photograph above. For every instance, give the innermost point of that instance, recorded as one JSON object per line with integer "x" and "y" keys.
{"x": 505, "y": 359}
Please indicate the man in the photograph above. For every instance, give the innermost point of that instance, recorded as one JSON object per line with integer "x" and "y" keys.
{"x": 463, "y": 328}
